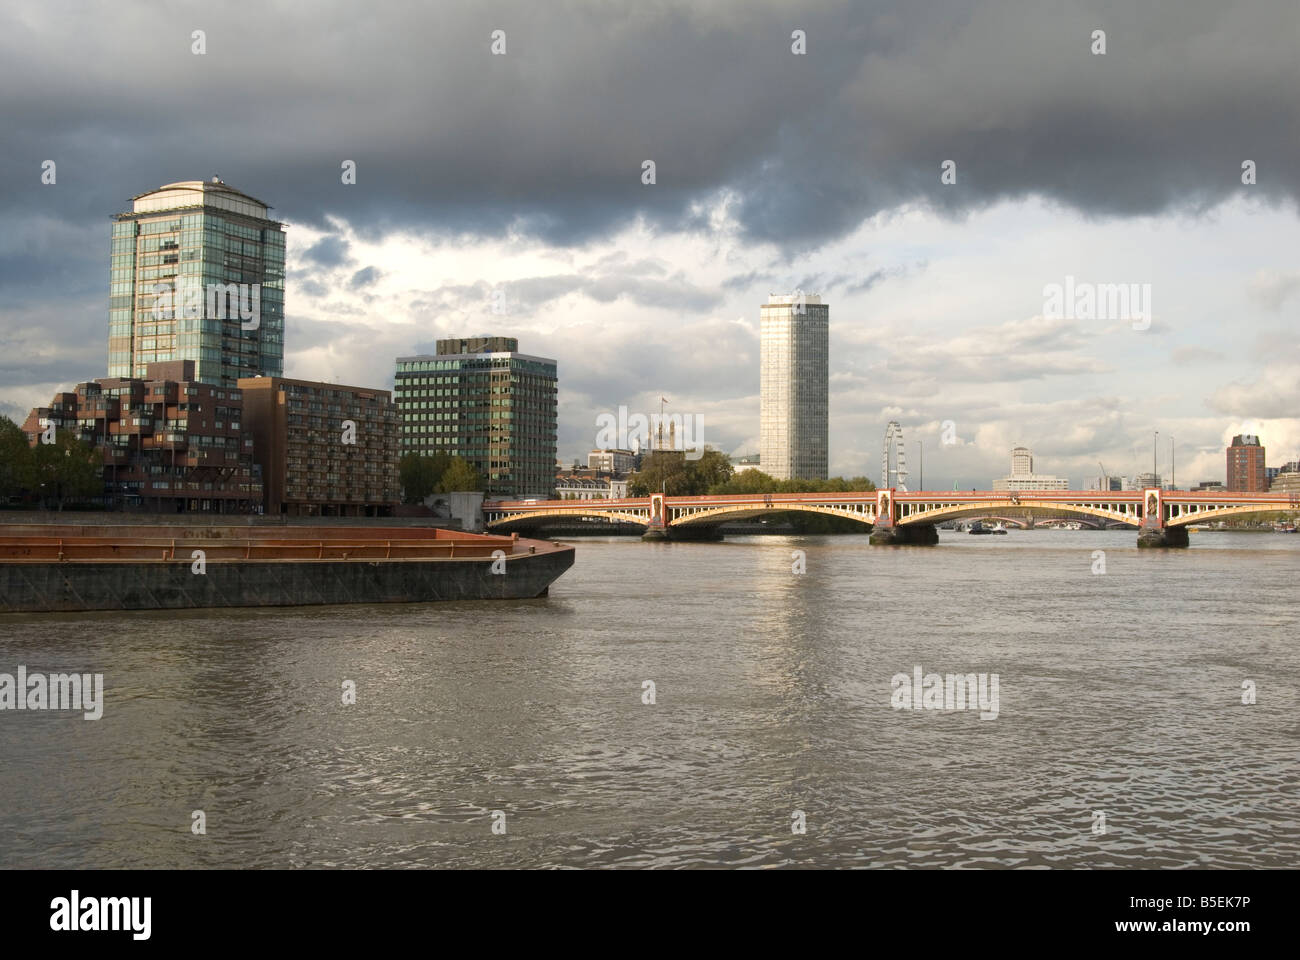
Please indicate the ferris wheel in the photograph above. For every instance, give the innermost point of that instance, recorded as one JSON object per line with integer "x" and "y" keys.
{"x": 893, "y": 444}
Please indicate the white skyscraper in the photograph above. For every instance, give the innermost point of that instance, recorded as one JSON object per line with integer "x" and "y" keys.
{"x": 1023, "y": 477}
{"x": 1022, "y": 462}
{"x": 794, "y": 333}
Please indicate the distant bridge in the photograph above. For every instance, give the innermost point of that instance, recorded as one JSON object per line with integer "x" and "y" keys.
{"x": 1019, "y": 523}
{"x": 895, "y": 516}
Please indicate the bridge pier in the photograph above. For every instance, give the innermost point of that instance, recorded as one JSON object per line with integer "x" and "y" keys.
{"x": 886, "y": 531}
{"x": 1155, "y": 530}
{"x": 660, "y": 532}
{"x": 1162, "y": 537}
{"x": 914, "y": 535}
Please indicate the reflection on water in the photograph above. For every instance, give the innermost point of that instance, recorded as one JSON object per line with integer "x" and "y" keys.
{"x": 1120, "y": 693}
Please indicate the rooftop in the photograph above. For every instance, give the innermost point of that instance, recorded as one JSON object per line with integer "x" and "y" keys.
{"x": 199, "y": 193}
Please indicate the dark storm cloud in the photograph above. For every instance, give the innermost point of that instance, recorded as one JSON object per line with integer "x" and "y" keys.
{"x": 549, "y": 139}
{"x": 877, "y": 277}
{"x": 327, "y": 252}
{"x": 527, "y": 295}
{"x": 365, "y": 278}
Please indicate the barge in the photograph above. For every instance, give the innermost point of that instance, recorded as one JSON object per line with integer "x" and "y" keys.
{"x": 78, "y": 567}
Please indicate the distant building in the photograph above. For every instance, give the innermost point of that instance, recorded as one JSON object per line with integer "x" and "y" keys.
{"x": 1286, "y": 481}
{"x": 1209, "y": 486}
{"x": 1022, "y": 476}
{"x": 1022, "y": 462}
{"x": 585, "y": 486}
{"x": 619, "y": 463}
{"x": 325, "y": 449}
{"x": 213, "y": 247}
{"x": 794, "y": 387}
{"x": 1245, "y": 461}
{"x": 457, "y": 346}
{"x": 1032, "y": 481}
{"x": 1148, "y": 481}
{"x": 1109, "y": 483}
{"x": 479, "y": 398}
{"x": 168, "y": 442}
{"x": 751, "y": 461}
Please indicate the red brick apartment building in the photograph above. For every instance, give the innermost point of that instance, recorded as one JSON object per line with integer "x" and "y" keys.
{"x": 1246, "y": 464}
{"x": 312, "y": 464}
{"x": 169, "y": 443}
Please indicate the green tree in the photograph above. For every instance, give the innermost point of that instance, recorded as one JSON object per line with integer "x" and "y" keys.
{"x": 67, "y": 469}
{"x": 671, "y": 472}
{"x": 15, "y": 460}
{"x": 420, "y": 475}
{"x": 460, "y": 476}
{"x": 755, "y": 481}
{"x": 747, "y": 481}
{"x": 711, "y": 469}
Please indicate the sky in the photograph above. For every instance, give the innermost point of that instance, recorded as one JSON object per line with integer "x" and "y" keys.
{"x": 504, "y": 193}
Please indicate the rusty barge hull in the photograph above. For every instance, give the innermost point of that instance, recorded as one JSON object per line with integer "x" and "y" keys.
{"x": 73, "y": 568}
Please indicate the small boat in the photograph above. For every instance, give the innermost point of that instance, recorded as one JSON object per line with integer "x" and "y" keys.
{"x": 978, "y": 527}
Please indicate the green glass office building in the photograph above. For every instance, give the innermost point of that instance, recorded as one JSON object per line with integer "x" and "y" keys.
{"x": 219, "y": 263}
{"x": 481, "y": 399}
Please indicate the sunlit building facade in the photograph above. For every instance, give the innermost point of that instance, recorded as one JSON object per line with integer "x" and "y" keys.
{"x": 1245, "y": 462}
{"x": 480, "y": 399}
{"x": 794, "y": 405}
{"x": 218, "y": 261}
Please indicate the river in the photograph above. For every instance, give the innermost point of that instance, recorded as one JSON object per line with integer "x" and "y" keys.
{"x": 1120, "y": 739}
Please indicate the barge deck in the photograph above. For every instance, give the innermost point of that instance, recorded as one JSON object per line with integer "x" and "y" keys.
{"x": 76, "y": 567}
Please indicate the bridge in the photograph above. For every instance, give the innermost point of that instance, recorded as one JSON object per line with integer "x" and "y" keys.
{"x": 1161, "y": 517}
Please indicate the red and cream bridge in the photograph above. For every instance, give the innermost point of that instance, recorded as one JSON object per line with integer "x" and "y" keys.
{"x": 895, "y": 516}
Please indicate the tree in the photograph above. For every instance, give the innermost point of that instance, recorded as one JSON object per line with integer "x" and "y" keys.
{"x": 421, "y": 474}
{"x": 460, "y": 476}
{"x": 15, "y": 460}
{"x": 67, "y": 469}
{"x": 755, "y": 481}
{"x": 672, "y": 473}
{"x": 748, "y": 481}
{"x": 711, "y": 469}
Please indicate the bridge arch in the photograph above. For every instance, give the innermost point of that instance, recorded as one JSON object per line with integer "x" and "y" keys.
{"x": 960, "y": 511}
{"x": 1018, "y": 522}
{"x": 1182, "y": 519}
{"x": 864, "y": 513}
{"x": 501, "y": 519}
{"x": 1092, "y": 523}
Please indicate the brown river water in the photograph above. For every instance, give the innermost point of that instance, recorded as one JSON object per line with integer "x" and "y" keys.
{"x": 1119, "y": 693}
